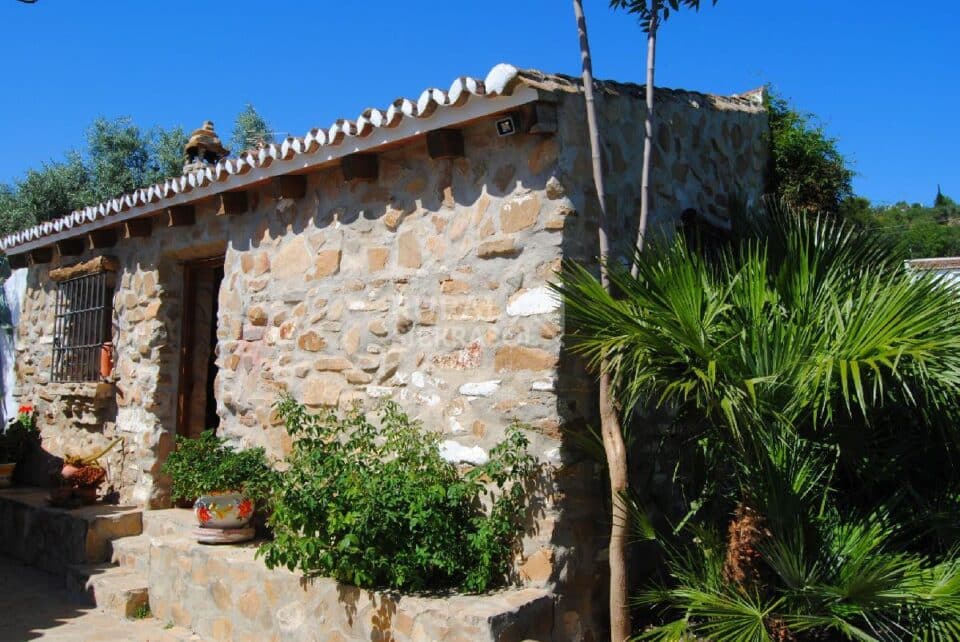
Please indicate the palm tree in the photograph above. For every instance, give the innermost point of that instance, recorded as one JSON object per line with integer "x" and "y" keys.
{"x": 818, "y": 381}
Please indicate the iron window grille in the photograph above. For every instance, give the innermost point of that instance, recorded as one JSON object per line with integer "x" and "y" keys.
{"x": 83, "y": 322}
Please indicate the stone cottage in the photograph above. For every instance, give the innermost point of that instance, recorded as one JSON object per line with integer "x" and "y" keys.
{"x": 403, "y": 255}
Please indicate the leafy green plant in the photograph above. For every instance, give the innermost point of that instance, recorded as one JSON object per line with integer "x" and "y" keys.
{"x": 208, "y": 464}
{"x": 808, "y": 172}
{"x": 814, "y": 383}
{"x": 16, "y": 437}
{"x": 379, "y": 507}
{"x": 142, "y": 612}
{"x": 797, "y": 569}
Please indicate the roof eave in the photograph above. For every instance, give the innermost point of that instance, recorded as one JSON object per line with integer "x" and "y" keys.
{"x": 502, "y": 93}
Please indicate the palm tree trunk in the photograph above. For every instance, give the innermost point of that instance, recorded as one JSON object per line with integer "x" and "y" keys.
{"x": 647, "y": 133}
{"x": 613, "y": 444}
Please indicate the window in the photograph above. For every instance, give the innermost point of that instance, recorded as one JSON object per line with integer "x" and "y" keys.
{"x": 83, "y": 322}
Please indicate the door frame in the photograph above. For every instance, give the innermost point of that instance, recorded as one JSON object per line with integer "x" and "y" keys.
{"x": 187, "y": 310}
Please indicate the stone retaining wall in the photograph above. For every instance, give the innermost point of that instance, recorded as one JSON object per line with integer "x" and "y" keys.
{"x": 52, "y": 538}
{"x": 223, "y": 593}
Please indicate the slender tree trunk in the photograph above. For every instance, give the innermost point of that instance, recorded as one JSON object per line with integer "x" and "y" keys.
{"x": 613, "y": 444}
{"x": 647, "y": 134}
{"x": 616, "y": 453}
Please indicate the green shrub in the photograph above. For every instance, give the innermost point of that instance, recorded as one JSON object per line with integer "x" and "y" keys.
{"x": 808, "y": 172}
{"x": 381, "y": 508}
{"x": 207, "y": 464}
{"x": 16, "y": 437}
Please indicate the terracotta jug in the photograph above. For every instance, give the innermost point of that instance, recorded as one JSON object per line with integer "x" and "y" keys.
{"x": 106, "y": 359}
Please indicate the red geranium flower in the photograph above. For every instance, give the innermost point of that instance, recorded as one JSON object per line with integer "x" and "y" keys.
{"x": 25, "y": 410}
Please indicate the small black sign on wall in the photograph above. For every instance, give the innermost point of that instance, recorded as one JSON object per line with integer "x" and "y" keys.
{"x": 507, "y": 126}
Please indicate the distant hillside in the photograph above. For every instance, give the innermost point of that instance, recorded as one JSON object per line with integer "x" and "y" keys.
{"x": 922, "y": 231}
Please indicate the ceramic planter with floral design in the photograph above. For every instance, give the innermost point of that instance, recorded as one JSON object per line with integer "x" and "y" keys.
{"x": 228, "y": 509}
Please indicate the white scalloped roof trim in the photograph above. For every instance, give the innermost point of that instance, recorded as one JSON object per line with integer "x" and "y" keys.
{"x": 497, "y": 83}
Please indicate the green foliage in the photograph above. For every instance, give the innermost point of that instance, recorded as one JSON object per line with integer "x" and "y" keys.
{"x": 846, "y": 583}
{"x": 123, "y": 158}
{"x": 142, "y": 612}
{"x": 120, "y": 157}
{"x": 814, "y": 384}
{"x": 56, "y": 189}
{"x": 381, "y": 508}
{"x": 919, "y": 231}
{"x": 250, "y": 131}
{"x": 14, "y": 439}
{"x": 942, "y": 200}
{"x": 826, "y": 573}
{"x": 647, "y": 9}
{"x": 808, "y": 172}
{"x": 208, "y": 464}
{"x": 166, "y": 147}
{"x": 832, "y": 323}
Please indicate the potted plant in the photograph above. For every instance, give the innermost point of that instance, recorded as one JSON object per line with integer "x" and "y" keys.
{"x": 13, "y": 440}
{"x": 227, "y": 484}
{"x": 81, "y": 476}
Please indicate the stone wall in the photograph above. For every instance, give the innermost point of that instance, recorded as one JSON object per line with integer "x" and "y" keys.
{"x": 224, "y": 593}
{"x": 427, "y": 286}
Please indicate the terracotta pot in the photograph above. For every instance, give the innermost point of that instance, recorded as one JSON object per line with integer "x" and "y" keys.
{"x": 69, "y": 470}
{"x": 106, "y": 359}
{"x": 228, "y": 509}
{"x": 6, "y": 474}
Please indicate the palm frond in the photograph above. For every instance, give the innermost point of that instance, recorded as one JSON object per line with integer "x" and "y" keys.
{"x": 782, "y": 357}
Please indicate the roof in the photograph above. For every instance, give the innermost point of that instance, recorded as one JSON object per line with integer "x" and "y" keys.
{"x": 505, "y": 87}
{"x": 939, "y": 263}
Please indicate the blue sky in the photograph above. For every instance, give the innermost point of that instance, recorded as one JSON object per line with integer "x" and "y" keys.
{"x": 882, "y": 76}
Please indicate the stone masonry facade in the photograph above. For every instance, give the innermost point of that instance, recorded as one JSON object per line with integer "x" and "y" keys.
{"x": 428, "y": 286}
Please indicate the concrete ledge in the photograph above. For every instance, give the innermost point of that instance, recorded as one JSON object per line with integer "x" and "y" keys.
{"x": 54, "y": 538}
{"x": 224, "y": 593}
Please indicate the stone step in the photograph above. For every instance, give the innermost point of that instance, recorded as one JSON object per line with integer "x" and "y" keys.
{"x": 169, "y": 521}
{"x": 132, "y": 553}
{"x": 52, "y": 538}
{"x": 77, "y": 578}
{"x": 121, "y": 592}
{"x": 171, "y": 633}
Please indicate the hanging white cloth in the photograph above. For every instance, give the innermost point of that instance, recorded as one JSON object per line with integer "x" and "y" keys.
{"x": 14, "y": 290}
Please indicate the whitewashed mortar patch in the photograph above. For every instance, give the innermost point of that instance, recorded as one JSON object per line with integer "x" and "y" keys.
{"x": 455, "y": 452}
{"x": 527, "y": 303}
{"x": 379, "y": 391}
{"x": 480, "y": 388}
{"x": 543, "y": 385}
